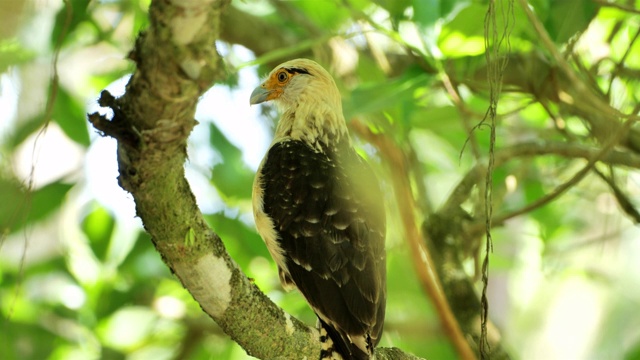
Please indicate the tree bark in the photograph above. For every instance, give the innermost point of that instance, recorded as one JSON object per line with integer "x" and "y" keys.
{"x": 176, "y": 63}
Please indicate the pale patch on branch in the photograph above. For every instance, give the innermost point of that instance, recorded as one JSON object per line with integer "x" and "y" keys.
{"x": 288, "y": 324}
{"x": 209, "y": 282}
{"x": 189, "y": 21}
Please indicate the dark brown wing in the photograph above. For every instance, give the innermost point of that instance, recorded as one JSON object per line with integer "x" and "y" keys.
{"x": 328, "y": 211}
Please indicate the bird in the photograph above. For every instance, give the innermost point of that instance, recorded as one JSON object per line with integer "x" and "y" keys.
{"x": 319, "y": 208}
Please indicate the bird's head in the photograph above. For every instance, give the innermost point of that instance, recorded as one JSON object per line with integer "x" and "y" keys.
{"x": 295, "y": 81}
{"x": 308, "y": 98}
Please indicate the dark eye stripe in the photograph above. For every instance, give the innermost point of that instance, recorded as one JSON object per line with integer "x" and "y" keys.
{"x": 297, "y": 71}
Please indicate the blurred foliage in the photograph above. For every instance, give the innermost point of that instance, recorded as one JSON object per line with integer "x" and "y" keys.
{"x": 79, "y": 278}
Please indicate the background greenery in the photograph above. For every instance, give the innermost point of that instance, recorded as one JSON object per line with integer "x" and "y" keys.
{"x": 80, "y": 279}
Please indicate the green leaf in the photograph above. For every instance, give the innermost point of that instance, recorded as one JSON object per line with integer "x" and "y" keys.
{"x": 232, "y": 177}
{"x": 70, "y": 115}
{"x": 547, "y": 216}
{"x": 438, "y": 116}
{"x": 379, "y": 96}
{"x": 190, "y": 237}
{"x": 240, "y": 240}
{"x": 426, "y": 12}
{"x": 327, "y": 15}
{"x": 98, "y": 225}
{"x": 47, "y": 199}
{"x": 20, "y": 208}
{"x": 143, "y": 261}
{"x": 287, "y": 52}
{"x": 562, "y": 27}
{"x": 444, "y": 121}
{"x": 463, "y": 35}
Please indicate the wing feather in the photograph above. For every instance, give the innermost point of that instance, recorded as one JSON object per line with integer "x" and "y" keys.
{"x": 327, "y": 210}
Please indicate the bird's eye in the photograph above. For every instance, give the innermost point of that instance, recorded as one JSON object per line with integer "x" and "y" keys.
{"x": 282, "y": 76}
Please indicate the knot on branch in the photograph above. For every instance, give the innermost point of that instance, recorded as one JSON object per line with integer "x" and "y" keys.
{"x": 121, "y": 128}
{"x": 118, "y": 127}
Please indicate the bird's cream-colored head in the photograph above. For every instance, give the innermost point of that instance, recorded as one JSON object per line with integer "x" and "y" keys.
{"x": 309, "y": 100}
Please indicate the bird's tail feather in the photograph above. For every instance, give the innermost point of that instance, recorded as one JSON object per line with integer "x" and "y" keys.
{"x": 335, "y": 347}
{"x": 328, "y": 350}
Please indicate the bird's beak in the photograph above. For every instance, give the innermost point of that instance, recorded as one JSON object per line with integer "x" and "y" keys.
{"x": 260, "y": 95}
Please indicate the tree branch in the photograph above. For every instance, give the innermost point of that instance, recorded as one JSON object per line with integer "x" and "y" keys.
{"x": 176, "y": 63}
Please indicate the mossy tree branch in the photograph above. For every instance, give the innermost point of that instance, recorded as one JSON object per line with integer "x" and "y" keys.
{"x": 176, "y": 63}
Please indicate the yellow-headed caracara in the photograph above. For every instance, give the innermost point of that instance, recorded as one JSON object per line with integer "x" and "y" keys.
{"x": 319, "y": 209}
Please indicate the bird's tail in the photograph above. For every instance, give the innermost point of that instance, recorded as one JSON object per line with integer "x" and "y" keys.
{"x": 328, "y": 350}
{"x": 337, "y": 347}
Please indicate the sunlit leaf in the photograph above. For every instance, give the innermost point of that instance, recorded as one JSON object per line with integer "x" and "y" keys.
{"x": 12, "y": 53}
{"x": 376, "y": 97}
{"x": 325, "y": 16}
{"x": 464, "y": 34}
